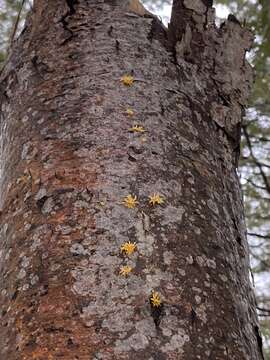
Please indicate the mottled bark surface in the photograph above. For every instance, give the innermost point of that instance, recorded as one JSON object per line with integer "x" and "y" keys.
{"x": 68, "y": 160}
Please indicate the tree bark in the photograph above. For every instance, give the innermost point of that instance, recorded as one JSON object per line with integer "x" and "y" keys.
{"x": 69, "y": 159}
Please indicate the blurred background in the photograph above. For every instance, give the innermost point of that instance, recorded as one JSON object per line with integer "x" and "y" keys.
{"x": 254, "y": 168}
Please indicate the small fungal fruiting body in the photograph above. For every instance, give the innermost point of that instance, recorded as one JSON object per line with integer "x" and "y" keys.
{"x": 127, "y": 80}
{"x": 155, "y": 299}
{"x": 137, "y": 128}
{"x": 130, "y": 112}
{"x": 156, "y": 199}
{"x": 125, "y": 270}
{"x": 130, "y": 201}
{"x": 25, "y": 177}
{"x": 128, "y": 248}
{"x": 22, "y": 179}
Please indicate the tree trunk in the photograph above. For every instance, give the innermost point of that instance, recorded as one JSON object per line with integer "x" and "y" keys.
{"x": 88, "y": 273}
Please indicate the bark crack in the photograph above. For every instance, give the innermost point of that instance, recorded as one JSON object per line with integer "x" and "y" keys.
{"x": 158, "y": 31}
{"x": 157, "y": 313}
{"x": 259, "y": 339}
{"x": 71, "y": 5}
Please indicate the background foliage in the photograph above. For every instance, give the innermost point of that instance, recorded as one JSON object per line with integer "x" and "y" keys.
{"x": 255, "y": 162}
{"x": 9, "y": 10}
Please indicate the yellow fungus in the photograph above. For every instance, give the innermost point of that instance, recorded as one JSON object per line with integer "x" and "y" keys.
{"x": 137, "y": 128}
{"x": 128, "y": 248}
{"x": 130, "y": 201}
{"x": 155, "y": 299}
{"x": 156, "y": 199}
{"x": 23, "y": 179}
{"x": 127, "y": 80}
{"x": 125, "y": 270}
{"x": 129, "y": 112}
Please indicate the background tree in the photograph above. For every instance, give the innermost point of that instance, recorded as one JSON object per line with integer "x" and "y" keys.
{"x": 9, "y": 11}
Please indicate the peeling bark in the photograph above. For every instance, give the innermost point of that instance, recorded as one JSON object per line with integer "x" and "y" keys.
{"x": 68, "y": 159}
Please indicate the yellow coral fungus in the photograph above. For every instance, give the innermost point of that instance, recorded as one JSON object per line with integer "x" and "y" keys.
{"x": 156, "y": 199}
{"x": 155, "y": 299}
{"x": 128, "y": 248}
{"x": 125, "y": 270}
{"x": 137, "y": 128}
{"x": 129, "y": 112}
{"x": 127, "y": 80}
{"x": 130, "y": 201}
{"x": 23, "y": 179}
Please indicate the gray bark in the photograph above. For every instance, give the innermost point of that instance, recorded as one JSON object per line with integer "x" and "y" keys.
{"x": 68, "y": 159}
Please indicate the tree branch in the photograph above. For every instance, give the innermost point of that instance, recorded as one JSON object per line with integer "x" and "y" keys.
{"x": 259, "y": 235}
{"x": 263, "y": 262}
{"x": 257, "y": 163}
{"x": 12, "y": 38}
{"x": 255, "y": 185}
{"x": 263, "y": 310}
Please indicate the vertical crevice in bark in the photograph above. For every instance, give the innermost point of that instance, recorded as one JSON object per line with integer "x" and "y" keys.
{"x": 71, "y": 4}
{"x": 71, "y": 11}
{"x": 159, "y": 32}
{"x": 259, "y": 340}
